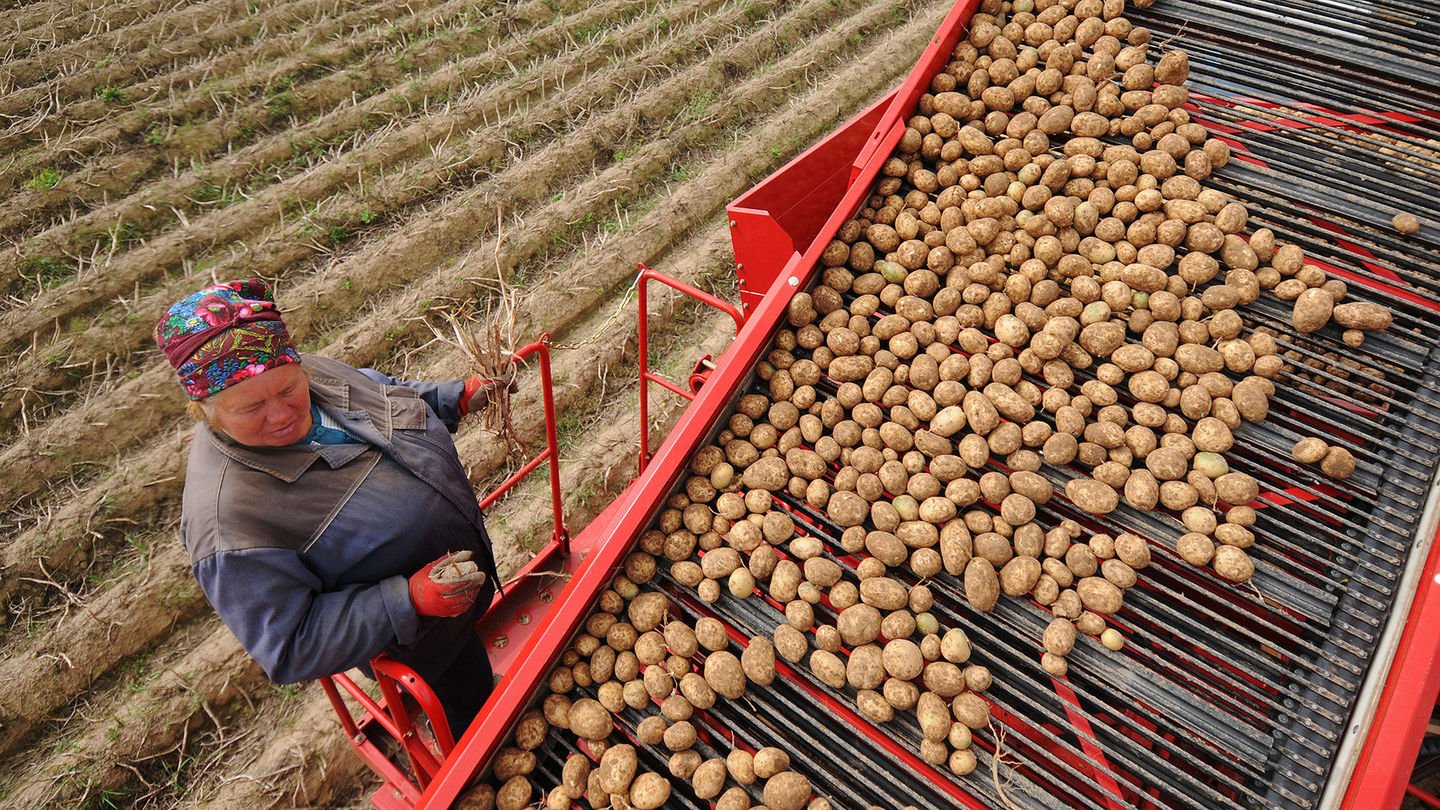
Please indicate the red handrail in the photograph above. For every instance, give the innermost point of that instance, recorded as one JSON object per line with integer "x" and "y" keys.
{"x": 646, "y": 375}
{"x": 551, "y": 453}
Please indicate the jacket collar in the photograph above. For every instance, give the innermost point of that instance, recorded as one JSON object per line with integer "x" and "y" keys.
{"x": 373, "y": 424}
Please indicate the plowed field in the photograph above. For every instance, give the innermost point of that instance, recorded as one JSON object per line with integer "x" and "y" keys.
{"x": 382, "y": 164}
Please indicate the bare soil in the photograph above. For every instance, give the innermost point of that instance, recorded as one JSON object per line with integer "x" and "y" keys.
{"x": 414, "y": 146}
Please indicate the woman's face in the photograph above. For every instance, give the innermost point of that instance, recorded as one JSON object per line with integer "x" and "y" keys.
{"x": 271, "y": 409}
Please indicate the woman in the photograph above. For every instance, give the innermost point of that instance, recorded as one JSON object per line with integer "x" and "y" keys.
{"x": 323, "y": 503}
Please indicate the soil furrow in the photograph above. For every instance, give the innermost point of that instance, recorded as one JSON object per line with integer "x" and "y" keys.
{"x": 123, "y": 620}
{"x": 44, "y": 367}
{"x": 59, "y": 545}
{"x": 146, "y": 210}
{"x": 306, "y": 762}
{"x": 188, "y": 127}
{"x": 666, "y": 219}
{"x": 349, "y": 110}
{"x": 110, "y": 32}
{"x": 125, "y": 75}
{"x": 152, "y": 721}
{"x": 71, "y": 132}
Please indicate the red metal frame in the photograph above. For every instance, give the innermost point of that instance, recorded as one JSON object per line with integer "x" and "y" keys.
{"x": 646, "y": 375}
{"x": 1382, "y": 773}
{"x": 779, "y": 229}
{"x": 392, "y": 716}
{"x": 551, "y": 453}
{"x": 638, "y": 504}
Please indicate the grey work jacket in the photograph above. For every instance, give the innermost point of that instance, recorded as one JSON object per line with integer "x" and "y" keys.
{"x": 305, "y": 551}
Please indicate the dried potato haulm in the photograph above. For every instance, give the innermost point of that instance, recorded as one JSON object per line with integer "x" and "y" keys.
{"x": 1034, "y": 325}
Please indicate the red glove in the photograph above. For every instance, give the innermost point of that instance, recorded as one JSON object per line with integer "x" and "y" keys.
{"x": 478, "y": 391}
{"x": 446, "y": 587}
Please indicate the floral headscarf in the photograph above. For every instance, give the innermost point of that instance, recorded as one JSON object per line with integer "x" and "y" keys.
{"x": 224, "y": 334}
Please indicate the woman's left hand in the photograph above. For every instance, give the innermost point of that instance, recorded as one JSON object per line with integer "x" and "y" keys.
{"x": 479, "y": 390}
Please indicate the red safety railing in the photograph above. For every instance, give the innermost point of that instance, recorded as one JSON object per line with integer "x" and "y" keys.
{"x": 393, "y": 718}
{"x": 560, "y": 538}
{"x": 646, "y": 375}
{"x": 391, "y": 715}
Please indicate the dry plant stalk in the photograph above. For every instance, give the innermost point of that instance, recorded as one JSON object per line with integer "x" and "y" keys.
{"x": 491, "y": 348}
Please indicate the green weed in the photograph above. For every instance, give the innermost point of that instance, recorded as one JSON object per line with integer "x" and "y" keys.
{"x": 45, "y": 180}
{"x": 111, "y": 94}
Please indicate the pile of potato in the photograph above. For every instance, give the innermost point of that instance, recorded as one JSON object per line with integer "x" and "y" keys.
{"x": 1039, "y": 303}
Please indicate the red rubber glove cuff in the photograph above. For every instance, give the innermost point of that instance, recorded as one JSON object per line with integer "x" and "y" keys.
{"x": 476, "y": 395}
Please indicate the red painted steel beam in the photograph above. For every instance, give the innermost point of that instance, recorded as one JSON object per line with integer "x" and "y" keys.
{"x": 642, "y": 500}
{"x": 1382, "y": 772}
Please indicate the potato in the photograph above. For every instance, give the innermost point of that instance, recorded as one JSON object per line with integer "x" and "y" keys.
{"x": 828, "y": 668}
{"x": 955, "y": 646}
{"x": 741, "y": 766}
{"x": 883, "y": 593}
{"x": 1099, "y": 595}
{"x": 1195, "y": 548}
{"x": 617, "y": 768}
{"x": 734, "y": 798}
{"x": 513, "y": 761}
{"x": 1362, "y": 315}
{"x": 1338, "y": 463}
{"x": 865, "y": 668}
{"x": 769, "y": 761}
{"x": 711, "y": 634}
{"x": 1059, "y": 637}
{"x": 514, "y": 794}
{"x": 787, "y": 791}
{"x": 791, "y": 643}
{"x": 971, "y": 710}
{"x": 858, "y": 624}
{"x": 708, "y": 779}
{"x": 575, "y": 775}
{"x": 646, "y": 612}
{"x": 873, "y": 706}
{"x": 1019, "y": 575}
{"x": 1092, "y": 496}
{"x": 847, "y": 509}
{"x": 851, "y": 368}
{"x": 1132, "y": 550}
{"x": 948, "y": 421}
{"x": 944, "y": 679}
{"x": 982, "y": 585}
{"x": 724, "y": 674}
{"x": 1233, "y": 564}
{"x": 1236, "y": 488}
{"x": 1312, "y": 310}
{"x": 933, "y": 714}
{"x": 590, "y": 720}
{"x": 758, "y": 661}
{"x": 1141, "y": 490}
{"x": 1310, "y": 450}
{"x": 902, "y": 659}
{"x": 649, "y": 791}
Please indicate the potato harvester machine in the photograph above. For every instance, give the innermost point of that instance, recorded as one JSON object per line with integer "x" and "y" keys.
{"x": 1310, "y": 690}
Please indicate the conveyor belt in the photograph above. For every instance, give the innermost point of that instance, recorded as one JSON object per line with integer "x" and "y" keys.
{"x": 1224, "y": 696}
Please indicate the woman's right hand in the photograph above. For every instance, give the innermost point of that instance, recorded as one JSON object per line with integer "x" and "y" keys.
{"x": 447, "y": 586}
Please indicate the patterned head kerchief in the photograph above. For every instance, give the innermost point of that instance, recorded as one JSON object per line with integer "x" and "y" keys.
{"x": 224, "y": 334}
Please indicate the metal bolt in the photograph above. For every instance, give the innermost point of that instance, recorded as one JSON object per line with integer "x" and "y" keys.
{"x": 1437, "y": 579}
{"x": 793, "y": 281}
{"x": 739, "y": 266}
{"x": 732, "y": 223}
